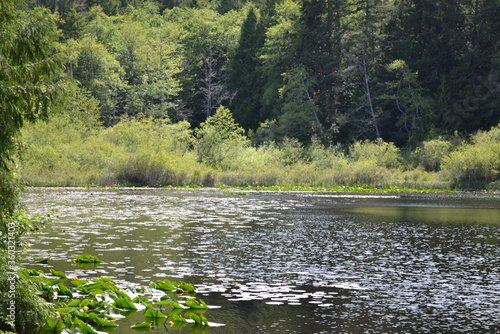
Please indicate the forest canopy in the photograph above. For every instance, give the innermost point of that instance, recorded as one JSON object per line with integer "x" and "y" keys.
{"x": 341, "y": 71}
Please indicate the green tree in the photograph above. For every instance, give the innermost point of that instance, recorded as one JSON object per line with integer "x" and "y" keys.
{"x": 220, "y": 140}
{"x": 299, "y": 118}
{"x": 151, "y": 60}
{"x": 322, "y": 28}
{"x": 99, "y": 72}
{"x": 406, "y": 105}
{"x": 208, "y": 42}
{"x": 474, "y": 80}
{"x": 366, "y": 18}
{"x": 429, "y": 37}
{"x": 27, "y": 65}
{"x": 245, "y": 78}
{"x": 278, "y": 54}
{"x": 27, "y": 91}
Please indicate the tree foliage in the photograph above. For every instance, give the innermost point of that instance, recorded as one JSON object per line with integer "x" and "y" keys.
{"x": 403, "y": 71}
{"x": 27, "y": 91}
{"x": 27, "y": 66}
{"x": 220, "y": 139}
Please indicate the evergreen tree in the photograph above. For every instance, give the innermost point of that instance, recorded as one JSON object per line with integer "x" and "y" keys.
{"x": 245, "y": 77}
{"x": 27, "y": 92}
{"x": 278, "y": 55}
{"x": 474, "y": 81}
{"x": 27, "y": 65}
{"x": 320, "y": 51}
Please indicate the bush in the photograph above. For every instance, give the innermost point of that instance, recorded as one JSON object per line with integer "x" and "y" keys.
{"x": 478, "y": 161}
{"x": 431, "y": 153}
{"x": 470, "y": 163}
{"x": 291, "y": 151}
{"x": 486, "y": 137}
{"x": 382, "y": 153}
{"x": 220, "y": 140}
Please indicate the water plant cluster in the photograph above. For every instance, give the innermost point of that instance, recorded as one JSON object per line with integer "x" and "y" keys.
{"x": 92, "y": 305}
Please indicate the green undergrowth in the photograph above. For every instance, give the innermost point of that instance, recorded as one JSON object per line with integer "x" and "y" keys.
{"x": 153, "y": 153}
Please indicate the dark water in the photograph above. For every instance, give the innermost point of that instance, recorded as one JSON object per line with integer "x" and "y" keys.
{"x": 281, "y": 262}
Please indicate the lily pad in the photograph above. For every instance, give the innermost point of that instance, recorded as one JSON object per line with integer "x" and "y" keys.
{"x": 85, "y": 258}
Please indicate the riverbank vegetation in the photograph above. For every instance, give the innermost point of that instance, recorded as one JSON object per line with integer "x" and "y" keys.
{"x": 67, "y": 151}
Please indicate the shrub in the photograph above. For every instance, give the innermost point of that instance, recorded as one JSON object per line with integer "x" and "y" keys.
{"x": 382, "y": 153}
{"x": 220, "y": 140}
{"x": 485, "y": 137}
{"x": 475, "y": 162}
{"x": 291, "y": 151}
{"x": 480, "y": 162}
{"x": 431, "y": 153}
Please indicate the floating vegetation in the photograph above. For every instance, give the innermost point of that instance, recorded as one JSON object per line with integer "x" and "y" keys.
{"x": 87, "y": 259}
{"x": 92, "y": 305}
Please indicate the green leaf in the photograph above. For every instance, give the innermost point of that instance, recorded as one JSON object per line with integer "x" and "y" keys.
{"x": 63, "y": 290}
{"x": 164, "y": 285}
{"x": 33, "y": 272}
{"x": 82, "y": 315}
{"x": 68, "y": 321}
{"x": 104, "y": 323}
{"x": 95, "y": 292}
{"x": 55, "y": 326}
{"x": 43, "y": 261}
{"x": 69, "y": 309}
{"x": 79, "y": 282}
{"x": 87, "y": 329}
{"x": 124, "y": 304}
{"x": 141, "y": 299}
{"x": 74, "y": 303}
{"x": 104, "y": 279}
{"x": 85, "y": 258}
{"x": 144, "y": 325}
{"x": 169, "y": 302}
{"x": 177, "y": 318}
{"x": 186, "y": 287}
{"x": 121, "y": 294}
{"x": 54, "y": 281}
{"x": 58, "y": 273}
{"x": 193, "y": 303}
{"x": 154, "y": 314}
{"x": 196, "y": 318}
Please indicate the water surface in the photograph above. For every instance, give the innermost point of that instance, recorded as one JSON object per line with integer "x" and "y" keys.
{"x": 291, "y": 262}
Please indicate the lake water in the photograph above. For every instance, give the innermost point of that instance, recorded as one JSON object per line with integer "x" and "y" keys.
{"x": 291, "y": 262}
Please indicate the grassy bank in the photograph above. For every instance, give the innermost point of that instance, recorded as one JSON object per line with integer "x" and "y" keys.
{"x": 66, "y": 152}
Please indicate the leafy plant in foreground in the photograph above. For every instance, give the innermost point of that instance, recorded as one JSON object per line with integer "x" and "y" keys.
{"x": 89, "y": 306}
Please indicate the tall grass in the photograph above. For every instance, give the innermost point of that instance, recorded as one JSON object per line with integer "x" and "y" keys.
{"x": 146, "y": 152}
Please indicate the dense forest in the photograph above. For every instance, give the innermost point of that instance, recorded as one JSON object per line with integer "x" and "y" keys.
{"x": 336, "y": 70}
{"x": 309, "y": 92}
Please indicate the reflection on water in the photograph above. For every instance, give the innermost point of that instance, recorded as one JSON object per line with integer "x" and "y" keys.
{"x": 292, "y": 262}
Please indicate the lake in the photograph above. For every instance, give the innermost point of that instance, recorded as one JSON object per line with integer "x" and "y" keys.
{"x": 290, "y": 262}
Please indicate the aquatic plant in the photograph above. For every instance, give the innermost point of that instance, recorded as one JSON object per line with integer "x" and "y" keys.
{"x": 84, "y": 258}
{"x": 89, "y": 305}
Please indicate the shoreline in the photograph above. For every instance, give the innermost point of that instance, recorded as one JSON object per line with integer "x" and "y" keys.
{"x": 241, "y": 190}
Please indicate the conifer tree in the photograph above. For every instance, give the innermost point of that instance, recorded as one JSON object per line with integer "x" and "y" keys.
{"x": 245, "y": 77}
